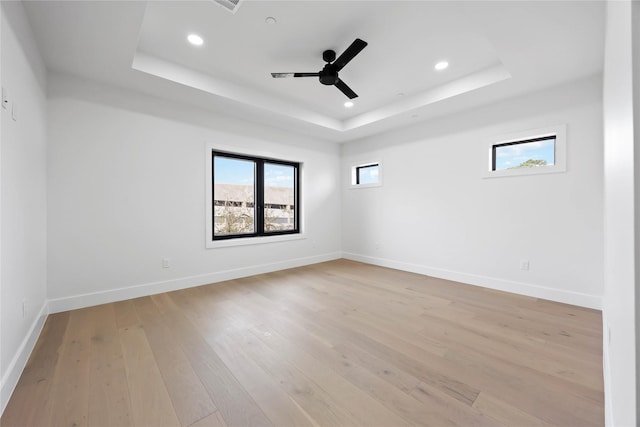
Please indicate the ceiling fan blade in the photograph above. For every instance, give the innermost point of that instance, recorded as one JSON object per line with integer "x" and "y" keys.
{"x": 283, "y": 75}
{"x": 349, "y": 54}
{"x": 345, "y": 89}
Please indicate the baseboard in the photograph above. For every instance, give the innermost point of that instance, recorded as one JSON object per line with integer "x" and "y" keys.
{"x": 57, "y": 305}
{"x": 19, "y": 361}
{"x": 608, "y": 408}
{"x": 574, "y": 298}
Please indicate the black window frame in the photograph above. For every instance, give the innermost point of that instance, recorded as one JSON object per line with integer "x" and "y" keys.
{"x": 258, "y": 205}
{"x": 522, "y": 141}
{"x": 370, "y": 165}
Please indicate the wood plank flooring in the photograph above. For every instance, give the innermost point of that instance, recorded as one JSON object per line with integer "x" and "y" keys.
{"x": 332, "y": 344}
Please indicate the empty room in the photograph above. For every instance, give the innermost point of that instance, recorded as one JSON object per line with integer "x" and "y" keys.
{"x": 319, "y": 213}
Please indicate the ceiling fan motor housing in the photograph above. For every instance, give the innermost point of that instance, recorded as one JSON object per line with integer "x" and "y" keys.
{"x": 329, "y": 75}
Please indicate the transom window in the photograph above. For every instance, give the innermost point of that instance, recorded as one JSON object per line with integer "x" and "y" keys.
{"x": 529, "y": 153}
{"x": 254, "y": 196}
{"x": 365, "y": 175}
{"x": 368, "y": 174}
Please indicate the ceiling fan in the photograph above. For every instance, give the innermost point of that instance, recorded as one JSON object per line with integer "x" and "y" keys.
{"x": 329, "y": 74}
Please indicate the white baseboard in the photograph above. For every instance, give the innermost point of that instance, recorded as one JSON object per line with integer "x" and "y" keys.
{"x": 608, "y": 408}
{"x": 57, "y": 305}
{"x": 14, "y": 370}
{"x": 574, "y": 298}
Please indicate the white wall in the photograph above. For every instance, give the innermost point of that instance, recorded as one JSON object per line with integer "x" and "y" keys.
{"x": 435, "y": 213}
{"x": 126, "y": 186}
{"x": 22, "y": 197}
{"x": 621, "y": 228}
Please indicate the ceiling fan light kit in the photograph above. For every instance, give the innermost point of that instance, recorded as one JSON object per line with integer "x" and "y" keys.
{"x": 329, "y": 74}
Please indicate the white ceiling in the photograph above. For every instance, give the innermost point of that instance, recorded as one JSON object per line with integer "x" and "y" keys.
{"x": 495, "y": 50}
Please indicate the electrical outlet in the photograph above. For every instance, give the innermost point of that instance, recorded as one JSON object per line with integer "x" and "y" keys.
{"x": 524, "y": 265}
{"x": 166, "y": 263}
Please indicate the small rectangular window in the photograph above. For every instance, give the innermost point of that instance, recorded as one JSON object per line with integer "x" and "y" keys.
{"x": 529, "y": 153}
{"x": 366, "y": 175}
{"x": 253, "y": 196}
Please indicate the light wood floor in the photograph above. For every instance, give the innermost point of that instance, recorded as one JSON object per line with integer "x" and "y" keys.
{"x": 333, "y": 344}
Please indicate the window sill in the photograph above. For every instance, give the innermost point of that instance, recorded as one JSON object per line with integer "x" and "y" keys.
{"x": 535, "y": 170}
{"x": 214, "y": 244}
{"x": 358, "y": 186}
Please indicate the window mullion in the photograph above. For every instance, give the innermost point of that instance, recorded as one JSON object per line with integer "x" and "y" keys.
{"x": 259, "y": 197}
{"x": 213, "y": 195}
{"x": 296, "y": 200}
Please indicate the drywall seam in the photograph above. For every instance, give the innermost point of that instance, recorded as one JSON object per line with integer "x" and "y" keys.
{"x": 527, "y": 289}
{"x": 73, "y": 302}
{"x": 19, "y": 361}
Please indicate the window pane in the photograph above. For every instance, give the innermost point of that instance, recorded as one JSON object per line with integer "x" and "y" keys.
{"x": 368, "y": 174}
{"x": 233, "y": 196}
{"x": 525, "y": 154}
{"x": 279, "y": 197}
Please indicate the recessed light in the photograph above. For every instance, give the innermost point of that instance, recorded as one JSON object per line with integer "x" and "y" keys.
{"x": 270, "y": 20}
{"x": 441, "y": 65}
{"x": 195, "y": 39}
{"x": 348, "y": 104}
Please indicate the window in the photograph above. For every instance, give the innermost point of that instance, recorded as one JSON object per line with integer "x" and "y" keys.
{"x": 366, "y": 175}
{"x": 253, "y": 196}
{"x": 529, "y": 153}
